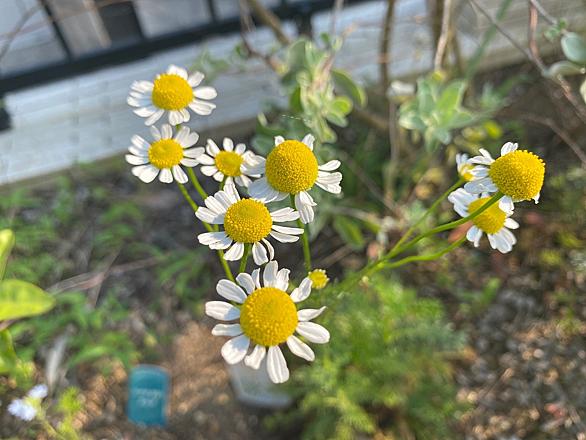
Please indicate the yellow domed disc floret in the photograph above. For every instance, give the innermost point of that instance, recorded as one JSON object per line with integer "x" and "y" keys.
{"x": 165, "y": 153}
{"x": 228, "y": 162}
{"x": 518, "y": 175}
{"x": 489, "y": 221}
{"x": 171, "y": 92}
{"x": 319, "y": 278}
{"x": 268, "y": 316}
{"x": 291, "y": 167}
{"x": 247, "y": 221}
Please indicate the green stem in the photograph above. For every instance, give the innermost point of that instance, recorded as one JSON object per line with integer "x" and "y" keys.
{"x": 304, "y": 239}
{"x": 192, "y": 204}
{"x": 451, "y": 225}
{"x": 244, "y": 258}
{"x": 380, "y": 263}
{"x": 427, "y": 213}
{"x": 224, "y": 264}
{"x": 222, "y": 183}
{"x": 413, "y": 258}
{"x": 196, "y": 184}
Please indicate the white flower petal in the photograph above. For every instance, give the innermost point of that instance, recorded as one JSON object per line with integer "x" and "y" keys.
{"x": 330, "y": 166}
{"x": 309, "y": 314}
{"x": 509, "y": 147}
{"x": 287, "y": 230}
{"x": 313, "y": 332}
{"x": 179, "y": 174}
{"x": 136, "y": 160}
{"x": 259, "y": 254}
{"x": 228, "y": 144}
{"x": 205, "y": 92}
{"x": 222, "y": 310}
{"x": 146, "y": 173}
{"x": 269, "y": 248}
{"x": 308, "y": 140}
{"x": 300, "y": 348}
{"x": 227, "y": 330}
{"x": 511, "y": 224}
{"x": 284, "y": 215}
{"x": 284, "y": 238}
{"x": 235, "y": 252}
{"x": 235, "y": 349}
{"x": 166, "y": 176}
{"x": 246, "y": 281}
{"x": 254, "y": 359}
{"x": 194, "y": 153}
{"x": 277, "y": 366}
{"x": 270, "y": 274}
{"x": 195, "y": 79}
{"x": 279, "y": 140}
{"x": 302, "y": 292}
{"x": 282, "y": 279}
{"x": 231, "y": 291}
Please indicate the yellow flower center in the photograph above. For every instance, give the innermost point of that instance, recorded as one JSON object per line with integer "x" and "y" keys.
{"x": 228, "y": 162}
{"x": 464, "y": 171}
{"x": 247, "y": 221}
{"x": 319, "y": 278}
{"x": 491, "y": 220}
{"x": 165, "y": 153}
{"x": 268, "y": 316}
{"x": 171, "y": 92}
{"x": 291, "y": 167}
{"x": 518, "y": 175}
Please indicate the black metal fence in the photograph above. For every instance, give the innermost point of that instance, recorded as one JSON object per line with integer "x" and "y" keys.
{"x": 132, "y": 44}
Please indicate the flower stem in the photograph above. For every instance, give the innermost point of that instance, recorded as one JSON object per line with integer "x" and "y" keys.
{"x": 381, "y": 263}
{"x": 427, "y": 213}
{"x": 192, "y": 204}
{"x": 244, "y": 258}
{"x": 304, "y": 239}
{"x": 196, "y": 184}
{"x": 224, "y": 264}
{"x": 447, "y": 226}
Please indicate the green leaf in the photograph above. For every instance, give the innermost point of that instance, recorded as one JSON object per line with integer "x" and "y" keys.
{"x": 8, "y": 357}
{"x": 295, "y": 101}
{"x": 341, "y": 105}
{"x": 574, "y": 47}
{"x": 564, "y": 68}
{"x": 19, "y": 299}
{"x": 583, "y": 90}
{"x": 451, "y": 96}
{"x": 6, "y": 245}
{"x": 345, "y": 84}
{"x": 349, "y": 230}
{"x": 337, "y": 119}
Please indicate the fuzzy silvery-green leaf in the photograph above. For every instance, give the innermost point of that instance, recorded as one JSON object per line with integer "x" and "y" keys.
{"x": 6, "y": 245}
{"x": 20, "y": 299}
{"x": 346, "y": 85}
{"x": 574, "y": 47}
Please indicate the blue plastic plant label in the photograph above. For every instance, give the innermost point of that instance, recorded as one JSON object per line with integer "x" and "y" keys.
{"x": 148, "y": 389}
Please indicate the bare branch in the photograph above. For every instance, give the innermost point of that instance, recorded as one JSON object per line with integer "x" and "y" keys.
{"x": 444, "y": 38}
{"x": 385, "y": 44}
{"x": 270, "y": 20}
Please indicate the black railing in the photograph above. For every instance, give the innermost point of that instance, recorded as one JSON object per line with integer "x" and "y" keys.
{"x": 298, "y": 11}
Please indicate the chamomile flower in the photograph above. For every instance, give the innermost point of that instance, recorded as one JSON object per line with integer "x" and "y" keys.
{"x": 245, "y": 221}
{"x": 494, "y": 222}
{"x": 292, "y": 168}
{"x": 164, "y": 155}
{"x": 319, "y": 278}
{"x": 464, "y": 167}
{"x": 231, "y": 162}
{"x": 267, "y": 317}
{"x": 24, "y": 409}
{"x": 518, "y": 174}
{"x": 173, "y": 92}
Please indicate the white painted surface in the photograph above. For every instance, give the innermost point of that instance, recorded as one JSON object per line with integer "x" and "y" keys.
{"x": 86, "y": 118}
